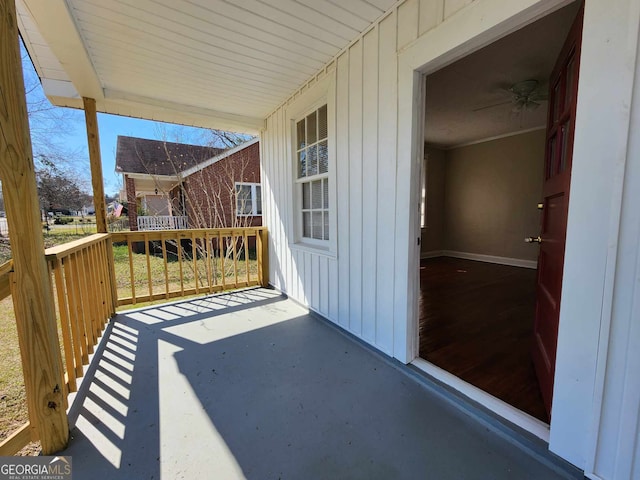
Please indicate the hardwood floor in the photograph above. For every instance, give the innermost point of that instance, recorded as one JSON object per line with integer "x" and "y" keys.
{"x": 476, "y": 322}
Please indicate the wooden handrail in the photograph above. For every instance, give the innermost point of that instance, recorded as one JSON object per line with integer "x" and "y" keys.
{"x": 67, "y": 249}
{"x": 152, "y": 235}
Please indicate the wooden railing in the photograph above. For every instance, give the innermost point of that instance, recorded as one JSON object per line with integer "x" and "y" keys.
{"x": 90, "y": 277}
{"x": 162, "y": 222}
{"x": 81, "y": 273}
{"x": 176, "y": 263}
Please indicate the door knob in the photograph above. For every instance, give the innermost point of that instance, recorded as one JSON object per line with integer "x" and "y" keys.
{"x": 533, "y": 239}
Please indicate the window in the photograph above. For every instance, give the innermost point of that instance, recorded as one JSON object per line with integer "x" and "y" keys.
{"x": 312, "y": 159}
{"x": 248, "y": 199}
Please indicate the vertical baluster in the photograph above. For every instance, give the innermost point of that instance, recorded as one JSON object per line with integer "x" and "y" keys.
{"x": 208, "y": 241}
{"x": 148, "y": 258}
{"x": 234, "y": 239}
{"x": 64, "y": 323}
{"x": 75, "y": 308}
{"x": 194, "y": 255}
{"x": 222, "y": 255}
{"x": 59, "y": 353}
{"x": 245, "y": 240}
{"x": 131, "y": 272}
{"x": 91, "y": 294}
{"x": 180, "y": 265}
{"x": 163, "y": 242}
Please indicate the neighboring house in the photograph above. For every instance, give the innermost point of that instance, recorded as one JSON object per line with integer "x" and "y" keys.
{"x": 344, "y": 97}
{"x": 174, "y": 181}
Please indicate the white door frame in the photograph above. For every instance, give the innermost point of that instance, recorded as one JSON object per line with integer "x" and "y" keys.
{"x": 596, "y": 186}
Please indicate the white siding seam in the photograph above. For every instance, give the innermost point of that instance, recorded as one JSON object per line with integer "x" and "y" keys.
{"x": 375, "y": 217}
{"x": 348, "y": 176}
{"x": 395, "y": 182}
{"x": 362, "y": 207}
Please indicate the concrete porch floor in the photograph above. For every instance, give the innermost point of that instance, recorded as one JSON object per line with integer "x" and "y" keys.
{"x": 249, "y": 385}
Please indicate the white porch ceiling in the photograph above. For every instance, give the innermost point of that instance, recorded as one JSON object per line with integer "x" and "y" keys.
{"x": 211, "y": 63}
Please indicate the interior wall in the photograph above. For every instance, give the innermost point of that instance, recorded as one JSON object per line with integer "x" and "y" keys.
{"x": 491, "y": 194}
{"x": 433, "y": 231}
{"x": 482, "y": 198}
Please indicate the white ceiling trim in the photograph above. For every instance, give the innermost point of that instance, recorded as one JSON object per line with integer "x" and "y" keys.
{"x": 490, "y": 139}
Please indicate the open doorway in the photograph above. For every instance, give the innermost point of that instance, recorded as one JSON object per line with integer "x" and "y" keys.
{"x": 491, "y": 151}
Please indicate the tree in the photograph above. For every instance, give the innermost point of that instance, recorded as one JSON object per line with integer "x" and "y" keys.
{"x": 57, "y": 189}
{"x": 51, "y": 127}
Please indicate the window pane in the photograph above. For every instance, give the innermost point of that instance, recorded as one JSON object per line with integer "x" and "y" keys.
{"x": 312, "y": 160}
{"x": 325, "y": 193}
{"x": 317, "y": 225}
{"x": 312, "y": 125}
{"x": 301, "y": 139}
{"x": 316, "y": 194}
{"x": 306, "y": 196}
{"x": 306, "y": 224}
{"x": 302, "y": 164}
{"x": 322, "y": 122}
{"x": 326, "y": 225}
{"x": 258, "y": 200}
{"x": 323, "y": 157}
{"x": 243, "y": 200}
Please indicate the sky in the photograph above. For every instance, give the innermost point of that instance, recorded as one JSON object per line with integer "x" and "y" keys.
{"x": 74, "y": 136}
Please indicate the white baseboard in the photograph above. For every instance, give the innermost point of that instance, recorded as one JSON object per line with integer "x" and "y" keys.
{"x": 432, "y": 254}
{"x": 514, "y": 262}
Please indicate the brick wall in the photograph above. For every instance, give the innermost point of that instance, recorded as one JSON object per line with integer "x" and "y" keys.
{"x": 132, "y": 202}
{"x": 209, "y": 193}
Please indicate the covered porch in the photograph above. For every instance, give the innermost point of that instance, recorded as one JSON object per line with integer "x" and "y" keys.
{"x": 250, "y": 385}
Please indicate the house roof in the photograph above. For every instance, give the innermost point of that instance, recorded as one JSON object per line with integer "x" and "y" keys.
{"x": 215, "y": 64}
{"x": 158, "y": 157}
{"x": 226, "y": 153}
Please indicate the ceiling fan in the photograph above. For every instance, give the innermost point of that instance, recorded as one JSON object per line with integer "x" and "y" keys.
{"x": 525, "y": 95}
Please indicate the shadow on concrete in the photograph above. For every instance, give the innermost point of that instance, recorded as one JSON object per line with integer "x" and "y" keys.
{"x": 248, "y": 385}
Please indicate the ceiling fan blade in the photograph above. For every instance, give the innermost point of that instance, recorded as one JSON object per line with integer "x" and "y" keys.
{"x": 492, "y": 105}
{"x": 538, "y": 97}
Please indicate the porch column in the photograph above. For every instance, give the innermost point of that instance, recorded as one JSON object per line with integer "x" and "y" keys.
{"x": 33, "y": 296}
{"x": 132, "y": 202}
{"x": 93, "y": 138}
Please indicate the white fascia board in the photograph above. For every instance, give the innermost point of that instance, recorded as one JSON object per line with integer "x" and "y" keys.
{"x": 217, "y": 158}
{"x": 57, "y": 26}
{"x": 148, "y": 176}
{"x": 168, "y": 111}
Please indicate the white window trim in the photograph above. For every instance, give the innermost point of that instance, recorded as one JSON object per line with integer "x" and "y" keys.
{"x": 319, "y": 94}
{"x": 254, "y": 198}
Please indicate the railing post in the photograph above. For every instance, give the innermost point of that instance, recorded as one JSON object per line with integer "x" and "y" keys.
{"x": 263, "y": 256}
{"x": 33, "y": 295}
{"x": 93, "y": 138}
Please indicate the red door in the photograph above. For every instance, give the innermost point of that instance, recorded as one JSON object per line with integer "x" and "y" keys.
{"x": 563, "y": 87}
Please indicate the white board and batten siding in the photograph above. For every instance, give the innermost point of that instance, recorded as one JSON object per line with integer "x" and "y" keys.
{"x": 363, "y": 283}
{"x": 355, "y": 285}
